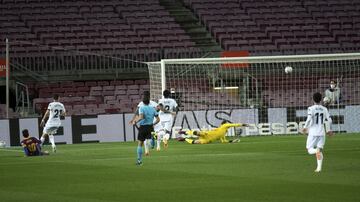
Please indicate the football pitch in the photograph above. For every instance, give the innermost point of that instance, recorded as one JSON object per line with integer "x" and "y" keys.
{"x": 274, "y": 168}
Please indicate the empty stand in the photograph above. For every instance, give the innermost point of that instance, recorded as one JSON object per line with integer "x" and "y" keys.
{"x": 282, "y": 26}
{"x": 91, "y": 25}
{"x": 99, "y": 97}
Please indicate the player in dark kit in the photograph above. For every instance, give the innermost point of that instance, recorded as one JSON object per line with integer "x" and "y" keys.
{"x": 31, "y": 145}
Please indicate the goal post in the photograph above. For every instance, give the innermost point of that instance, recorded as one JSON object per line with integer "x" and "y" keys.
{"x": 257, "y": 90}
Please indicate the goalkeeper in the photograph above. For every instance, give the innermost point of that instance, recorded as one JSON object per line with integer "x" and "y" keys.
{"x": 208, "y": 136}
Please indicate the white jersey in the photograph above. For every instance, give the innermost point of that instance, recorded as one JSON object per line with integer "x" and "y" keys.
{"x": 152, "y": 103}
{"x": 315, "y": 122}
{"x": 56, "y": 109}
{"x": 170, "y": 105}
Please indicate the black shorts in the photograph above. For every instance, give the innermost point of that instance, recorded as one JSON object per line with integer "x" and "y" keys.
{"x": 145, "y": 132}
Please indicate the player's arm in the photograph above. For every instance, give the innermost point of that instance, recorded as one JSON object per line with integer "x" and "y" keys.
{"x": 229, "y": 125}
{"x": 137, "y": 119}
{"x": 175, "y": 109}
{"x": 136, "y": 114}
{"x": 328, "y": 122}
{"x": 63, "y": 112}
{"x": 139, "y": 116}
{"x": 46, "y": 115}
{"x": 157, "y": 120}
{"x": 308, "y": 123}
{"x": 26, "y": 150}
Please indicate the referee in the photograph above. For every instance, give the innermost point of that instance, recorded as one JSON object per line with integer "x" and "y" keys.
{"x": 145, "y": 120}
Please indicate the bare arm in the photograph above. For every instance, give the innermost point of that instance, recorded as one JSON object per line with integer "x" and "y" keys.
{"x": 157, "y": 120}
{"x": 308, "y": 123}
{"x": 136, "y": 114}
{"x": 46, "y": 115}
{"x": 329, "y": 122}
{"x": 137, "y": 118}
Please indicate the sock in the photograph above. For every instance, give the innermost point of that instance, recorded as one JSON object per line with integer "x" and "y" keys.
{"x": 42, "y": 139}
{"x": 312, "y": 151}
{"x": 139, "y": 153}
{"x": 52, "y": 140}
{"x": 147, "y": 145}
{"x": 152, "y": 143}
{"x": 166, "y": 137}
{"x": 158, "y": 139}
{"x": 319, "y": 159}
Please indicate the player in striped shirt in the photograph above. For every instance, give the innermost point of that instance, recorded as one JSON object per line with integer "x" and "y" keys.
{"x": 31, "y": 145}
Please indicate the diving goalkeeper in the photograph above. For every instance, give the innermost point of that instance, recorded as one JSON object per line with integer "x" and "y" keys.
{"x": 208, "y": 136}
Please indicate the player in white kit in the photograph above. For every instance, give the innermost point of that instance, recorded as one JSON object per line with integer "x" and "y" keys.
{"x": 168, "y": 109}
{"x": 315, "y": 127}
{"x": 54, "y": 111}
{"x": 147, "y": 142}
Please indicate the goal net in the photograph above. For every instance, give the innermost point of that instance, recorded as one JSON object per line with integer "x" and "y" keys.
{"x": 258, "y": 91}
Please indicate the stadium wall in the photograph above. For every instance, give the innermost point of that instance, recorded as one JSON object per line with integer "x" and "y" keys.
{"x": 115, "y": 127}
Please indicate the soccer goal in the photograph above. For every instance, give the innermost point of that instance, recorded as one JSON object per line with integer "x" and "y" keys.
{"x": 258, "y": 90}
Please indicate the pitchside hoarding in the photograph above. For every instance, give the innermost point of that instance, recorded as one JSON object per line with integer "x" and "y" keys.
{"x": 116, "y": 127}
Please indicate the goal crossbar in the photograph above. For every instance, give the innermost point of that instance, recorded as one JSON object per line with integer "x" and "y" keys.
{"x": 263, "y": 59}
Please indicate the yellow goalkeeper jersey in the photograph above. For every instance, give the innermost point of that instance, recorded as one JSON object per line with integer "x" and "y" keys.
{"x": 217, "y": 133}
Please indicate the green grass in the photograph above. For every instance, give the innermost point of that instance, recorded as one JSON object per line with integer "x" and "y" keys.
{"x": 256, "y": 169}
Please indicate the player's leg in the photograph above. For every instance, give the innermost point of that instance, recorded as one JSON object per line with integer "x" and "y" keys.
{"x": 198, "y": 141}
{"x": 139, "y": 152}
{"x": 141, "y": 139}
{"x": 38, "y": 150}
{"x": 160, "y": 136}
{"x": 147, "y": 143}
{"x": 44, "y": 134}
{"x": 148, "y": 136}
{"x": 157, "y": 136}
{"x": 166, "y": 137}
{"x": 51, "y": 132}
{"x": 319, "y": 154}
{"x": 196, "y": 134}
{"x": 190, "y": 141}
{"x": 310, "y": 144}
{"x": 52, "y": 138}
{"x": 152, "y": 142}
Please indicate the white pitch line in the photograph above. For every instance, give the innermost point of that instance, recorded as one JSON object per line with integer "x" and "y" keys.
{"x": 163, "y": 156}
{"x": 12, "y": 150}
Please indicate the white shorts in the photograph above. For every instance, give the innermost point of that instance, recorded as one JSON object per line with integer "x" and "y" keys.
{"x": 166, "y": 125}
{"x": 158, "y": 127}
{"x": 50, "y": 130}
{"x": 315, "y": 142}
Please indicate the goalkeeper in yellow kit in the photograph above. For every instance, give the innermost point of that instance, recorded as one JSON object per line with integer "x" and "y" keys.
{"x": 207, "y": 136}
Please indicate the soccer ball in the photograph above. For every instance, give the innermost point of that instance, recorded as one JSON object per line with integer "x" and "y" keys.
{"x": 326, "y": 100}
{"x": 288, "y": 69}
{"x": 2, "y": 144}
